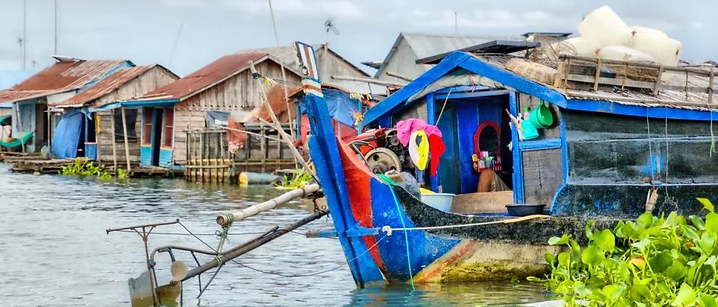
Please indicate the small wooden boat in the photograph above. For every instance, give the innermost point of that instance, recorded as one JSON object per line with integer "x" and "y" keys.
{"x": 609, "y": 154}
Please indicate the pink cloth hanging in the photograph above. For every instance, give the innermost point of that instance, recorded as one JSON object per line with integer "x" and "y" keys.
{"x": 405, "y": 127}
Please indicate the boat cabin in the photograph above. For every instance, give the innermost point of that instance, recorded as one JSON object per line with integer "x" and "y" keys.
{"x": 594, "y": 138}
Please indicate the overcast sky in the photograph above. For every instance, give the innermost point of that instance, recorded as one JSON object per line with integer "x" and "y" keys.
{"x": 144, "y": 31}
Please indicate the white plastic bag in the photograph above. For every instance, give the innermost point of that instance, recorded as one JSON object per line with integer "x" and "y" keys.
{"x": 605, "y": 28}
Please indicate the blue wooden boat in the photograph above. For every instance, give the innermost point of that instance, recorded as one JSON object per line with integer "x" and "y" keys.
{"x": 619, "y": 145}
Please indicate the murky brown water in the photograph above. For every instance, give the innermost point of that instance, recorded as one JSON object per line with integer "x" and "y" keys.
{"x": 54, "y": 250}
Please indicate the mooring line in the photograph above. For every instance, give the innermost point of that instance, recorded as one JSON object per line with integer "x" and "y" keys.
{"x": 211, "y": 234}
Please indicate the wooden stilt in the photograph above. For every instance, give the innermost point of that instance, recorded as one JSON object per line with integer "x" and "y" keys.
{"x": 114, "y": 142}
{"x": 127, "y": 145}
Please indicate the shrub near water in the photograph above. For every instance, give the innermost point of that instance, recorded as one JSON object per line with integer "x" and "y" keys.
{"x": 654, "y": 261}
{"x": 87, "y": 168}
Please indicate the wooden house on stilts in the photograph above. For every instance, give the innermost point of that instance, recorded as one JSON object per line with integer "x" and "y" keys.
{"x": 88, "y": 129}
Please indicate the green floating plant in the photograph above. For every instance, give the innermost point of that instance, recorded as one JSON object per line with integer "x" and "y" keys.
{"x": 653, "y": 261}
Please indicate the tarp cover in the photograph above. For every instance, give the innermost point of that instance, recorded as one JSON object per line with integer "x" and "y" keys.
{"x": 341, "y": 106}
{"x": 67, "y": 135}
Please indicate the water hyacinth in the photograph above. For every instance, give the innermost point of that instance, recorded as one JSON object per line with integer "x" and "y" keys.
{"x": 653, "y": 261}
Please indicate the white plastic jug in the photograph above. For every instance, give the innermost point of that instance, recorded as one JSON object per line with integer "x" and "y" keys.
{"x": 605, "y": 28}
{"x": 579, "y": 46}
{"x": 665, "y": 50}
{"x": 623, "y": 53}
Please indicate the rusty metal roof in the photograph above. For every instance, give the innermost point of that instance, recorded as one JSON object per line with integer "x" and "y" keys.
{"x": 106, "y": 86}
{"x": 61, "y": 77}
{"x": 287, "y": 56}
{"x": 208, "y": 76}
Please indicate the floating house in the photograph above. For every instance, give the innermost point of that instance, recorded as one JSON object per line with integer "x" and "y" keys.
{"x": 100, "y": 135}
{"x": 32, "y": 122}
{"x": 8, "y": 79}
{"x": 613, "y": 139}
{"x": 168, "y": 112}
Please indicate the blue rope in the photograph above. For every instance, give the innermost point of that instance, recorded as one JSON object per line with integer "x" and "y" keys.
{"x": 406, "y": 237}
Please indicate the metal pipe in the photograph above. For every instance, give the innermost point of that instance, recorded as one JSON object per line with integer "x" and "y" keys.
{"x": 245, "y": 248}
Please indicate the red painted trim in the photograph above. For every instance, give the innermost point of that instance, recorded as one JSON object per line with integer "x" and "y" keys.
{"x": 469, "y": 246}
{"x": 481, "y": 127}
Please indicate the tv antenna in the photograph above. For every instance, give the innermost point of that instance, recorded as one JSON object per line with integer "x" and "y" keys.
{"x": 328, "y": 26}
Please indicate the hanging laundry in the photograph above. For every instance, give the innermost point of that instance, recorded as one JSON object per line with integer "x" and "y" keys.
{"x": 432, "y": 130}
{"x": 406, "y": 127}
{"x": 419, "y": 149}
{"x": 436, "y": 148}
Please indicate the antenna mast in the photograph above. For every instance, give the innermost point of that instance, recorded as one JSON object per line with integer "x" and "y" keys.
{"x": 24, "y": 32}
{"x": 55, "y": 50}
{"x": 328, "y": 26}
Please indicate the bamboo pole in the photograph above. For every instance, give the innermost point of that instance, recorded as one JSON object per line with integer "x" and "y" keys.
{"x": 395, "y": 75}
{"x": 368, "y": 80}
{"x": 227, "y": 218}
{"x": 114, "y": 145}
{"x": 277, "y": 125}
{"x": 127, "y": 145}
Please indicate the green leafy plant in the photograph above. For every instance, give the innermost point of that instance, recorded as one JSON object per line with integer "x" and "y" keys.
{"x": 122, "y": 174}
{"x": 297, "y": 181}
{"x": 82, "y": 168}
{"x": 653, "y": 261}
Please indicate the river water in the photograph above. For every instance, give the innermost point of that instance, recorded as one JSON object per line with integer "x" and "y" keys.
{"x": 54, "y": 250}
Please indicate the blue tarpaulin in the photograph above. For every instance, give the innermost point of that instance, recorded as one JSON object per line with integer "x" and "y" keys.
{"x": 67, "y": 135}
{"x": 341, "y": 106}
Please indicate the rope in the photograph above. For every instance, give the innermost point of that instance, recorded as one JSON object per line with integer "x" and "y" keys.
{"x": 389, "y": 230}
{"x": 391, "y": 183}
{"x": 210, "y": 234}
{"x": 443, "y": 106}
{"x": 650, "y": 149}
{"x": 669, "y": 199}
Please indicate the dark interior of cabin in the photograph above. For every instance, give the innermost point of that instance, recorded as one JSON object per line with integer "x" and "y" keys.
{"x": 477, "y": 135}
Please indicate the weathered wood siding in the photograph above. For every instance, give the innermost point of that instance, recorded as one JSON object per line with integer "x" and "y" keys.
{"x": 403, "y": 63}
{"x": 240, "y": 92}
{"x": 185, "y": 120}
{"x": 332, "y": 65}
{"x": 150, "y": 80}
{"x": 105, "y": 136}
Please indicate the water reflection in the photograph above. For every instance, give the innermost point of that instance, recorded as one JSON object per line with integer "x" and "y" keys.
{"x": 54, "y": 250}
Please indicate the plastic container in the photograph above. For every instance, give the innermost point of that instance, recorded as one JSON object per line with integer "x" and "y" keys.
{"x": 440, "y": 201}
{"x": 604, "y": 27}
{"x": 579, "y": 46}
{"x": 663, "y": 49}
{"x": 525, "y": 209}
{"x": 623, "y": 53}
{"x": 528, "y": 130}
{"x": 541, "y": 116}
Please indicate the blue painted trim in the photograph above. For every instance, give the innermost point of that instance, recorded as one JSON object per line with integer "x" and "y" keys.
{"x": 600, "y": 106}
{"x": 390, "y": 103}
{"x": 564, "y": 147}
{"x": 431, "y": 120}
{"x": 123, "y": 65}
{"x": 149, "y": 103}
{"x": 540, "y": 144}
{"x": 326, "y": 233}
{"x": 298, "y": 113}
{"x": 518, "y": 175}
{"x": 463, "y": 88}
{"x": 358, "y": 231}
{"x": 152, "y": 138}
{"x": 477, "y": 94}
{"x": 385, "y": 121}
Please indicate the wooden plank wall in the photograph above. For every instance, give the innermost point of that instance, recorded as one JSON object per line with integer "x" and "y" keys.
{"x": 210, "y": 161}
{"x": 150, "y": 80}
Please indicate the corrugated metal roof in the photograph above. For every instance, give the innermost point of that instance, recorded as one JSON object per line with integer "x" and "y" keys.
{"x": 214, "y": 73}
{"x": 425, "y": 45}
{"x": 58, "y": 78}
{"x": 10, "y": 78}
{"x": 104, "y": 87}
{"x": 286, "y": 55}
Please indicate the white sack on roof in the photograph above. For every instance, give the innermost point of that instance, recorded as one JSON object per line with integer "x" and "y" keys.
{"x": 605, "y": 28}
{"x": 579, "y": 46}
{"x": 644, "y": 30}
{"x": 665, "y": 50}
{"x": 623, "y": 53}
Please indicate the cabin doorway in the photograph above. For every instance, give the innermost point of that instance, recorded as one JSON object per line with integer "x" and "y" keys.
{"x": 477, "y": 135}
{"x": 90, "y": 136}
{"x": 156, "y": 135}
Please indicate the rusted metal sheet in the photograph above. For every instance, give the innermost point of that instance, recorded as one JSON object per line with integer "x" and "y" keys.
{"x": 335, "y": 63}
{"x": 204, "y": 78}
{"x": 61, "y": 77}
{"x": 114, "y": 82}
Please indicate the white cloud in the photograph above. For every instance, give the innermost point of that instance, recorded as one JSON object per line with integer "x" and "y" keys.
{"x": 696, "y": 25}
{"x": 537, "y": 16}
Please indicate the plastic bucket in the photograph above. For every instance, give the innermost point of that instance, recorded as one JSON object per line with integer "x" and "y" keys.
{"x": 441, "y": 201}
{"x": 541, "y": 117}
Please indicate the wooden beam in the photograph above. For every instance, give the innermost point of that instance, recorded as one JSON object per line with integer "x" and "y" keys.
{"x": 114, "y": 145}
{"x": 368, "y": 80}
{"x": 395, "y": 75}
{"x": 127, "y": 145}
